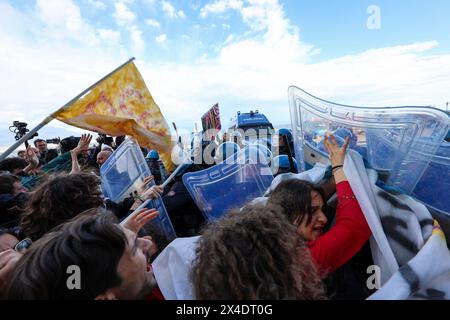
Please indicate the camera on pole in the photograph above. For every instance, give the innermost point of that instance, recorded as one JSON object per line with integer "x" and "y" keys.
{"x": 21, "y": 130}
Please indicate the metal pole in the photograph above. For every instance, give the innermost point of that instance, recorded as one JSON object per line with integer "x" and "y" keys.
{"x": 53, "y": 115}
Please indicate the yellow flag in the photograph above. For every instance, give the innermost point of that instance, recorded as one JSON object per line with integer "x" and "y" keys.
{"x": 121, "y": 104}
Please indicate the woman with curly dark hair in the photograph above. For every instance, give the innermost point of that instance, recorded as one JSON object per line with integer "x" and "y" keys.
{"x": 254, "y": 254}
{"x": 59, "y": 199}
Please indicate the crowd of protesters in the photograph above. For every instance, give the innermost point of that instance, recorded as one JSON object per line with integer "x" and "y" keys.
{"x": 53, "y": 215}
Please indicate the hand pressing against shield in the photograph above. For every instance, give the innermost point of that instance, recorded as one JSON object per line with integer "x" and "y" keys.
{"x": 139, "y": 218}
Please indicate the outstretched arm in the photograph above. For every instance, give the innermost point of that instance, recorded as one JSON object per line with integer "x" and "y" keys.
{"x": 83, "y": 146}
{"x": 351, "y": 231}
{"x": 32, "y": 159}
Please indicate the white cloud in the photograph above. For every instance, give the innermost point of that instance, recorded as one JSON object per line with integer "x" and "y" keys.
{"x": 195, "y": 4}
{"x": 257, "y": 71}
{"x": 62, "y": 21}
{"x": 136, "y": 38}
{"x": 123, "y": 14}
{"x": 280, "y": 41}
{"x": 259, "y": 15}
{"x": 220, "y": 6}
{"x": 127, "y": 19}
{"x": 98, "y": 4}
{"x": 169, "y": 10}
{"x": 48, "y": 71}
{"x": 153, "y": 23}
{"x": 109, "y": 36}
{"x": 60, "y": 13}
{"x": 382, "y": 77}
{"x": 259, "y": 12}
{"x": 162, "y": 38}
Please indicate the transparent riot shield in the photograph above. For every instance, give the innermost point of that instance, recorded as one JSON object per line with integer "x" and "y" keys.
{"x": 391, "y": 140}
{"x": 122, "y": 175}
{"x": 229, "y": 184}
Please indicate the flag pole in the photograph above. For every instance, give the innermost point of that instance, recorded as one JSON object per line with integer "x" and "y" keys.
{"x": 29, "y": 134}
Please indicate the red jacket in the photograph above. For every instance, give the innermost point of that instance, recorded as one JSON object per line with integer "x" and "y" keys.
{"x": 345, "y": 238}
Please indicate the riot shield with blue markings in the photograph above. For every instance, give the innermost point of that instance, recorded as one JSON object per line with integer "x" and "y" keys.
{"x": 122, "y": 175}
{"x": 404, "y": 144}
{"x": 230, "y": 184}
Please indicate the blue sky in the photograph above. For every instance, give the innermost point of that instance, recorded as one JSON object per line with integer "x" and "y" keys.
{"x": 338, "y": 26}
{"x": 241, "y": 53}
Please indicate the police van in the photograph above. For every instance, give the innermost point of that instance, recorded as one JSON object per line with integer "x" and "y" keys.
{"x": 253, "y": 125}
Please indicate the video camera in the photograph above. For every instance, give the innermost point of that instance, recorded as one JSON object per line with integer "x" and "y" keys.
{"x": 21, "y": 130}
{"x": 53, "y": 141}
{"x": 19, "y": 124}
{"x": 104, "y": 139}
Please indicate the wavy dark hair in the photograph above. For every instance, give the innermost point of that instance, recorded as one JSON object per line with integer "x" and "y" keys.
{"x": 7, "y": 183}
{"x": 92, "y": 241}
{"x": 11, "y": 164}
{"x": 58, "y": 199}
{"x": 294, "y": 196}
{"x": 254, "y": 253}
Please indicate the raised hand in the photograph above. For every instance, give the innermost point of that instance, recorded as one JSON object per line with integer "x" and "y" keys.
{"x": 31, "y": 157}
{"x": 153, "y": 192}
{"x": 83, "y": 144}
{"x": 336, "y": 154}
{"x": 145, "y": 183}
{"x": 139, "y": 218}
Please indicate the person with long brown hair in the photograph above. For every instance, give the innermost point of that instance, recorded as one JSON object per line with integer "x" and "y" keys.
{"x": 59, "y": 199}
{"x": 254, "y": 253}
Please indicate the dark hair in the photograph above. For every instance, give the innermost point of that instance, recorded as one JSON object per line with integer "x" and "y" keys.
{"x": 7, "y": 183}
{"x": 252, "y": 254}
{"x": 11, "y": 205}
{"x": 69, "y": 143}
{"x": 38, "y": 140}
{"x": 92, "y": 241}
{"x": 10, "y": 164}
{"x": 59, "y": 199}
{"x": 158, "y": 237}
{"x": 294, "y": 196}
